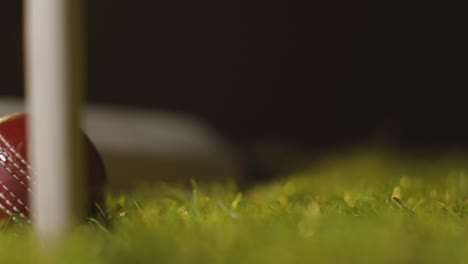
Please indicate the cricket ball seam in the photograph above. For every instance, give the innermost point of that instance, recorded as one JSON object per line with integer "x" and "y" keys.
{"x": 14, "y": 175}
{"x": 15, "y": 164}
{"x": 11, "y": 205}
{"x": 14, "y": 196}
{"x": 8, "y": 212}
{"x": 13, "y": 150}
{"x": 6, "y": 202}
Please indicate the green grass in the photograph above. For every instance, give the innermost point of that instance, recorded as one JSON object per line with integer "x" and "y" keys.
{"x": 362, "y": 208}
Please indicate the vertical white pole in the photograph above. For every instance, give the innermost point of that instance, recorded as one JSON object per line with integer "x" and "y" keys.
{"x": 53, "y": 36}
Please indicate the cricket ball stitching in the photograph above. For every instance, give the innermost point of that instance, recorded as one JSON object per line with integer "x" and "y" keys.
{"x": 13, "y": 150}
{"x": 15, "y": 164}
{"x": 8, "y": 191}
{"x": 2, "y": 195}
{"x": 12, "y": 173}
{"x": 8, "y": 212}
{"x": 10, "y": 204}
{"x": 12, "y": 195}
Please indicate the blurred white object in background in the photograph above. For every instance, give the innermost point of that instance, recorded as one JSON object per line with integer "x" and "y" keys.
{"x": 10, "y": 105}
{"x": 141, "y": 146}
{"x": 145, "y": 132}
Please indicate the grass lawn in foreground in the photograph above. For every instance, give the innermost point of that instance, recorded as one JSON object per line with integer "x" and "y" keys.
{"x": 362, "y": 208}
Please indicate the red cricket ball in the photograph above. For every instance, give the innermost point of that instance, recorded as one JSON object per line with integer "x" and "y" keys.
{"x": 15, "y": 179}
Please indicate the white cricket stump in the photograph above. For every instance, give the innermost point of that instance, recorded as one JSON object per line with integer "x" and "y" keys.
{"x": 53, "y": 43}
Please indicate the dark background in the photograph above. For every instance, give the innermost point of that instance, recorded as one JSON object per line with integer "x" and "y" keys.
{"x": 315, "y": 75}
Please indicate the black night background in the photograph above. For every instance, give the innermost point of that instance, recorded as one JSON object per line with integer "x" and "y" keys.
{"x": 316, "y": 76}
